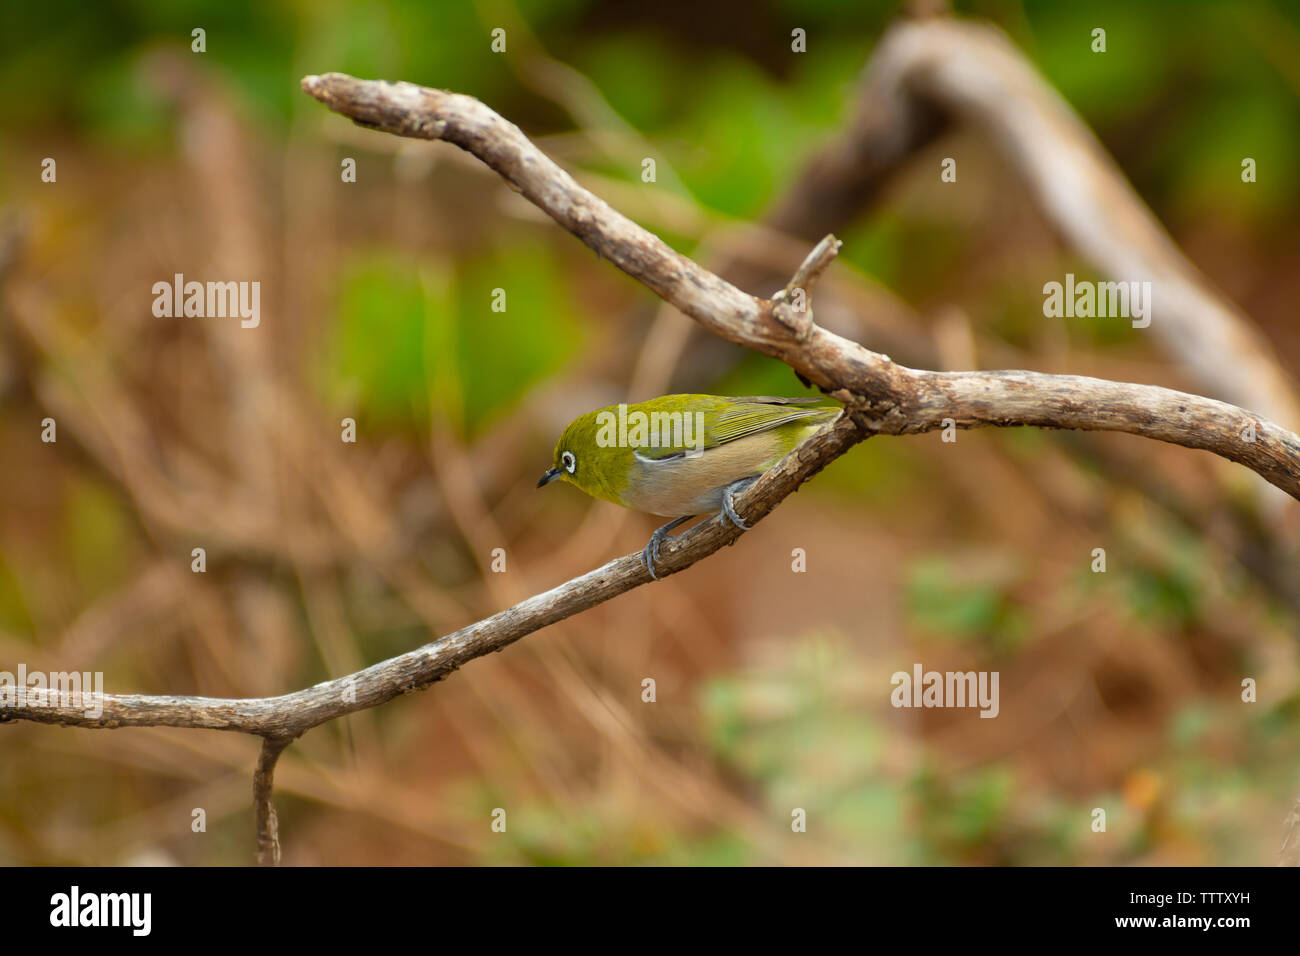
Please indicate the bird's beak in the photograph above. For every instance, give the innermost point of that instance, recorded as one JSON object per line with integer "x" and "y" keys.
{"x": 549, "y": 477}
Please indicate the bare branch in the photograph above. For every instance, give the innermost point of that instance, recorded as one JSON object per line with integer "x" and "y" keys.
{"x": 290, "y": 715}
{"x": 880, "y": 397}
{"x": 816, "y": 262}
{"x": 791, "y": 306}
{"x": 268, "y": 825}
{"x": 927, "y": 76}
{"x": 893, "y": 399}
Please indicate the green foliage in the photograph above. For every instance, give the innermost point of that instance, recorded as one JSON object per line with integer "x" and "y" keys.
{"x": 733, "y": 123}
{"x": 942, "y": 602}
{"x": 1169, "y": 594}
{"x": 962, "y": 813}
{"x": 604, "y": 834}
{"x": 623, "y": 61}
{"x": 1103, "y": 86}
{"x": 876, "y": 475}
{"x": 873, "y": 245}
{"x": 409, "y": 333}
{"x": 795, "y": 726}
{"x": 375, "y": 359}
{"x": 97, "y": 538}
{"x": 121, "y": 112}
{"x": 756, "y": 374}
{"x": 15, "y": 616}
{"x": 1208, "y": 145}
{"x": 501, "y": 355}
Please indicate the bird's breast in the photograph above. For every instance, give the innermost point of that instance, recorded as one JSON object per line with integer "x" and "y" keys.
{"x": 693, "y": 486}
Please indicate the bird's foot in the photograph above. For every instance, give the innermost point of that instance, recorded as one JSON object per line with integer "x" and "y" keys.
{"x": 729, "y": 501}
{"x": 650, "y": 554}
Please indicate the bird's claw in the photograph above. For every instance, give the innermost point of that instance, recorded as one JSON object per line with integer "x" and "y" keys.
{"x": 729, "y": 501}
{"x": 650, "y": 553}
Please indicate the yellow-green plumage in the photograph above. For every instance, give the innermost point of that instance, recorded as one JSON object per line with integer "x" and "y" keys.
{"x": 682, "y": 455}
{"x": 741, "y": 438}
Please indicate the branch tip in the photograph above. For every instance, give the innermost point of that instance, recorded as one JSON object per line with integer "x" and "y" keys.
{"x": 816, "y": 262}
{"x": 792, "y": 306}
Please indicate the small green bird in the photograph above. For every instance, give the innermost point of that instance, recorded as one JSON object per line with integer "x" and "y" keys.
{"x": 682, "y": 455}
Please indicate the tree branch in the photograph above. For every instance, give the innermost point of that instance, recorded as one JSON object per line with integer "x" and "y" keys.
{"x": 879, "y": 395}
{"x": 291, "y": 715}
{"x": 889, "y": 398}
{"x": 931, "y": 75}
{"x": 268, "y": 824}
{"x": 882, "y": 397}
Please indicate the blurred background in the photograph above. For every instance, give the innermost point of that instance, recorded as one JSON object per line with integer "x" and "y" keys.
{"x": 1119, "y": 690}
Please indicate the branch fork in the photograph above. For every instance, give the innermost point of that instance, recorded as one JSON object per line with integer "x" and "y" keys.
{"x": 792, "y": 306}
{"x": 880, "y": 397}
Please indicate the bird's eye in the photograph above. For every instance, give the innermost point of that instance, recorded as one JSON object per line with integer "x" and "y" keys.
{"x": 569, "y": 462}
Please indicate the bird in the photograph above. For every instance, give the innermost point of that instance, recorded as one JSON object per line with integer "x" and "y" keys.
{"x": 680, "y": 456}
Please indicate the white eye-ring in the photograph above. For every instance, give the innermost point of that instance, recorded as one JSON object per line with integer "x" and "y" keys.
{"x": 570, "y": 463}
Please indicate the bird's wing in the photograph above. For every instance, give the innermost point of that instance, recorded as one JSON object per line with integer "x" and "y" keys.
{"x": 750, "y": 416}
{"x": 743, "y": 417}
{"x": 780, "y": 400}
